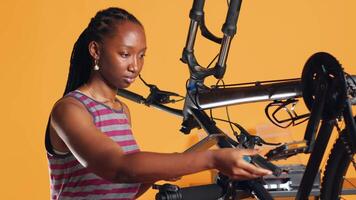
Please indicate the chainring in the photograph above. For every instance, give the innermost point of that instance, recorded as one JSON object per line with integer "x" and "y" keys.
{"x": 323, "y": 65}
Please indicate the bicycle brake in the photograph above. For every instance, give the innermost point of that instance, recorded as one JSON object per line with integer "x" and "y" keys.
{"x": 287, "y": 150}
{"x": 246, "y": 140}
{"x": 259, "y": 141}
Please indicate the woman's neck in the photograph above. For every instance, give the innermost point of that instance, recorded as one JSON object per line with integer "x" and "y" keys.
{"x": 100, "y": 90}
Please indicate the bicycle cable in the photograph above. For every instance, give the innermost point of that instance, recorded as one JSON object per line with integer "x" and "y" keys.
{"x": 211, "y": 62}
{"x": 227, "y": 109}
{"x": 195, "y": 100}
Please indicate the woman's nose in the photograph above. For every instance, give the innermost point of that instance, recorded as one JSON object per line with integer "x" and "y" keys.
{"x": 133, "y": 67}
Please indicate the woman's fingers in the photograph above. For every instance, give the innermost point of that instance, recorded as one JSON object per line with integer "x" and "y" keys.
{"x": 248, "y": 152}
{"x": 249, "y": 167}
{"x": 242, "y": 174}
{"x": 235, "y": 163}
{"x": 254, "y": 169}
{"x": 174, "y": 179}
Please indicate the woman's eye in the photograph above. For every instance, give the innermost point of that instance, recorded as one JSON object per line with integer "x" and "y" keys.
{"x": 124, "y": 55}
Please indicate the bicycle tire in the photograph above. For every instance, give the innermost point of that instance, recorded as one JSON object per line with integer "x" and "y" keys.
{"x": 338, "y": 162}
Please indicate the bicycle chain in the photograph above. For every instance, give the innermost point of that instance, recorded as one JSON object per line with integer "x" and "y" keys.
{"x": 346, "y": 144}
{"x": 351, "y": 90}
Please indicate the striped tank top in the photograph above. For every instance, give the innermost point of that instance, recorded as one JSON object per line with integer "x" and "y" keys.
{"x": 70, "y": 180}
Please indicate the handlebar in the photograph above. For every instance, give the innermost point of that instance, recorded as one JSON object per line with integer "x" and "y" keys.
{"x": 131, "y": 96}
{"x": 141, "y": 100}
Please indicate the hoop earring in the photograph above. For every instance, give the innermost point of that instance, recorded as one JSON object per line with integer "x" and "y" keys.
{"x": 96, "y": 66}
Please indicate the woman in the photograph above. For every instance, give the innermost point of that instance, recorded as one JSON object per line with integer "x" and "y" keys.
{"x": 91, "y": 150}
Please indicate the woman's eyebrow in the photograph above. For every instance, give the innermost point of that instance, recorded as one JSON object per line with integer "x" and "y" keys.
{"x": 131, "y": 46}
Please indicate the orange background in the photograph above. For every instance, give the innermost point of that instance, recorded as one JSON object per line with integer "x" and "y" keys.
{"x": 274, "y": 40}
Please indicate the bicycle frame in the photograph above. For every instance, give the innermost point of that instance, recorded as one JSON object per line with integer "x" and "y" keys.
{"x": 257, "y": 92}
{"x": 222, "y": 97}
{"x": 199, "y": 97}
{"x": 215, "y": 98}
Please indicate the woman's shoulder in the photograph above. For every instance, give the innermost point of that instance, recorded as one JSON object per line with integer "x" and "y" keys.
{"x": 68, "y": 105}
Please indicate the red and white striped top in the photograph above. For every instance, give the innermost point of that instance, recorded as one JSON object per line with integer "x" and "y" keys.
{"x": 70, "y": 180}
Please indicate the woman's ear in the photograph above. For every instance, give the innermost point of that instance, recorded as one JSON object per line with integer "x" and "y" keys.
{"x": 94, "y": 50}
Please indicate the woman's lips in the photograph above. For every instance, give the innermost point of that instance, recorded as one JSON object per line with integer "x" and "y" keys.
{"x": 129, "y": 80}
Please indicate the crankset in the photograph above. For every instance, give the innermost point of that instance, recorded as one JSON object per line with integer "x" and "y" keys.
{"x": 324, "y": 68}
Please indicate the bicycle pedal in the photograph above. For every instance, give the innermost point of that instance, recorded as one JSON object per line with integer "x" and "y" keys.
{"x": 262, "y": 162}
{"x": 287, "y": 150}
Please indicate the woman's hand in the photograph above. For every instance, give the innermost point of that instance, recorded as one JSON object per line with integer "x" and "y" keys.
{"x": 231, "y": 163}
{"x": 174, "y": 179}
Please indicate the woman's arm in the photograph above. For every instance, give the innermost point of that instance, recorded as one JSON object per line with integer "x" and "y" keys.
{"x": 143, "y": 188}
{"x": 74, "y": 125}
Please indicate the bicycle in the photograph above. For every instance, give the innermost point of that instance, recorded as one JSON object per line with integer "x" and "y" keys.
{"x": 326, "y": 89}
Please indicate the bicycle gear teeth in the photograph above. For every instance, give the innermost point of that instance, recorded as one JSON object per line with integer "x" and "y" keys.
{"x": 347, "y": 146}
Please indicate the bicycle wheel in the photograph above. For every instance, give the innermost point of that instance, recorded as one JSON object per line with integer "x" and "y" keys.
{"x": 339, "y": 162}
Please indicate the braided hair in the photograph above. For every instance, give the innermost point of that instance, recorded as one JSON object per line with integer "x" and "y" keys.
{"x": 100, "y": 26}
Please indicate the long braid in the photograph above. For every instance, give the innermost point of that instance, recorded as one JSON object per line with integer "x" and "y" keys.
{"x": 100, "y": 26}
{"x": 80, "y": 63}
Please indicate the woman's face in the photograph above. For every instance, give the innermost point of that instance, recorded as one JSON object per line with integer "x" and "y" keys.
{"x": 122, "y": 54}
